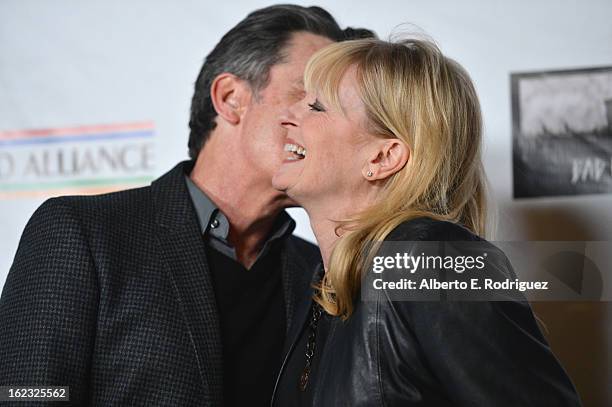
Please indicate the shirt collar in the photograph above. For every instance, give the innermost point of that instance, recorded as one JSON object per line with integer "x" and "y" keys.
{"x": 210, "y": 217}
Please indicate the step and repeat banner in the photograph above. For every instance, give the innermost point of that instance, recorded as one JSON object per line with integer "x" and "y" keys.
{"x": 75, "y": 160}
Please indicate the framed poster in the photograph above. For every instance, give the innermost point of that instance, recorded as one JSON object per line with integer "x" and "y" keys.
{"x": 562, "y": 132}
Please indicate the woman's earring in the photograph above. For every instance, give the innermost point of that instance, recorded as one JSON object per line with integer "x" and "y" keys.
{"x": 370, "y": 173}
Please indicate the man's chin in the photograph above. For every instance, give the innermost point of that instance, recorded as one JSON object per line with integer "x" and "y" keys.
{"x": 291, "y": 204}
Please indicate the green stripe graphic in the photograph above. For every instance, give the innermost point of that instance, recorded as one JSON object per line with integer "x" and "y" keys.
{"x": 74, "y": 183}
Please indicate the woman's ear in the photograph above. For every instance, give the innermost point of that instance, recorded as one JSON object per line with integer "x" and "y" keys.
{"x": 228, "y": 94}
{"x": 390, "y": 156}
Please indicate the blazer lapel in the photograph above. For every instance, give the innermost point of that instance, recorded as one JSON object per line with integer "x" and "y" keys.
{"x": 183, "y": 254}
{"x": 298, "y": 273}
{"x": 298, "y": 297}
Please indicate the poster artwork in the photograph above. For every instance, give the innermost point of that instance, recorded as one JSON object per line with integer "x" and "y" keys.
{"x": 562, "y": 132}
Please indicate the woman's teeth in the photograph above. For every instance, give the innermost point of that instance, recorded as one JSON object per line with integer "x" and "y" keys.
{"x": 299, "y": 151}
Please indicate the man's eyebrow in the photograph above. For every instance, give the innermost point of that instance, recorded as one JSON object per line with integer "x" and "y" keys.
{"x": 298, "y": 89}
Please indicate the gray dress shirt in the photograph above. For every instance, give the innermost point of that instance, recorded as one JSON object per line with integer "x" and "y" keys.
{"x": 215, "y": 225}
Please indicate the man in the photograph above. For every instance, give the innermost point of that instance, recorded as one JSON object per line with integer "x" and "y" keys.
{"x": 179, "y": 293}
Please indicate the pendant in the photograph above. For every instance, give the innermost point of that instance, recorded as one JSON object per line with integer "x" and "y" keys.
{"x": 303, "y": 383}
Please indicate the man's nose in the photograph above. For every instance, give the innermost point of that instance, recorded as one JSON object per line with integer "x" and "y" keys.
{"x": 290, "y": 118}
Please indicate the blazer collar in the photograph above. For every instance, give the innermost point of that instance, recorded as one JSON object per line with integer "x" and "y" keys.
{"x": 173, "y": 208}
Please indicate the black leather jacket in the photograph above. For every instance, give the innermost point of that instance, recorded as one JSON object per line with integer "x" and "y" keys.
{"x": 436, "y": 353}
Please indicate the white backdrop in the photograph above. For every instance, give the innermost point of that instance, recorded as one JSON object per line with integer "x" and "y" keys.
{"x": 75, "y": 62}
{"x": 65, "y": 63}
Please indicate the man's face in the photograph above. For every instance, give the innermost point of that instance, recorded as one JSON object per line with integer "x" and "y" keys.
{"x": 263, "y": 138}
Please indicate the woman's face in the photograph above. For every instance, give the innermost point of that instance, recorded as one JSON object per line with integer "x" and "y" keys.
{"x": 326, "y": 151}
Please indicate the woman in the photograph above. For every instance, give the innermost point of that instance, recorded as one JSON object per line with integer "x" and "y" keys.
{"x": 386, "y": 146}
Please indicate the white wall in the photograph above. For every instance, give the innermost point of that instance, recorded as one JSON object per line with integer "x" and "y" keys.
{"x": 67, "y": 63}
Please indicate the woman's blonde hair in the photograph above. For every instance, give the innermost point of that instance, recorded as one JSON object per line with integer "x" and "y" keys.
{"x": 413, "y": 93}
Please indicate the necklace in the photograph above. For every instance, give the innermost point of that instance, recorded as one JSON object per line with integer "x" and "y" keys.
{"x": 311, "y": 344}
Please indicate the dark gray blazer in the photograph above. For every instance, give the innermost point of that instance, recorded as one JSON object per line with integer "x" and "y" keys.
{"x": 112, "y": 296}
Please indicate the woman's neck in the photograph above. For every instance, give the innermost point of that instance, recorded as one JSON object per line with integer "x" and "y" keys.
{"x": 324, "y": 220}
{"x": 325, "y": 232}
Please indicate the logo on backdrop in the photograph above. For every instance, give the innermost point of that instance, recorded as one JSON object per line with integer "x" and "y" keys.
{"x": 562, "y": 132}
{"x": 76, "y": 160}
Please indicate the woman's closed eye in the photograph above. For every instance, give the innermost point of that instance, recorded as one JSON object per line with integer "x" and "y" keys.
{"x": 316, "y": 106}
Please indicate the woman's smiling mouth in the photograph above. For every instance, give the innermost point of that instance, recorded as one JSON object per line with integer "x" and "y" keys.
{"x": 297, "y": 152}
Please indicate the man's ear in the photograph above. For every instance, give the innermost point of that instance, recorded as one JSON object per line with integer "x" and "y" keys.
{"x": 229, "y": 95}
{"x": 390, "y": 156}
